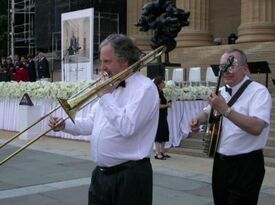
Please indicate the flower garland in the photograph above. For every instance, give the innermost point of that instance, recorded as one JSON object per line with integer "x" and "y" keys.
{"x": 41, "y": 89}
{"x": 173, "y": 92}
{"x": 60, "y": 89}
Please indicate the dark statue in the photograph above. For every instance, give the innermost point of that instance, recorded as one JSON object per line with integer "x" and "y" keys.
{"x": 165, "y": 19}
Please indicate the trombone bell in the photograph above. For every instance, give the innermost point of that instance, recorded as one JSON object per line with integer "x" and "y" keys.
{"x": 71, "y": 112}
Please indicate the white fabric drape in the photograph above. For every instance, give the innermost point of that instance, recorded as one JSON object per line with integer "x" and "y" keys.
{"x": 179, "y": 117}
{"x": 10, "y": 118}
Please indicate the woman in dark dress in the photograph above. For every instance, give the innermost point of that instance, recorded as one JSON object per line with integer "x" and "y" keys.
{"x": 162, "y": 135}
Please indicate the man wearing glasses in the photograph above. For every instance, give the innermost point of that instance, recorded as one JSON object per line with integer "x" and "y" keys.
{"x": 238, "y": 168}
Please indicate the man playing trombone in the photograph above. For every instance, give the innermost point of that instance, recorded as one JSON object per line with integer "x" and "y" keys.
{"x": 122, "y": 125}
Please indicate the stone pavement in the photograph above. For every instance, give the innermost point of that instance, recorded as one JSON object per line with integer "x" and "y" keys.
{"x": 56, "y": 171}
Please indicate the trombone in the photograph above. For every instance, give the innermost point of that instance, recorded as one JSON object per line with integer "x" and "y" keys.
{"x": 79, "y": 100}
{"x": 43, "y": 117}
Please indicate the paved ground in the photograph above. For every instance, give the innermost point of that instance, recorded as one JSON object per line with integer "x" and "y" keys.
{"x": 55, "y": 171}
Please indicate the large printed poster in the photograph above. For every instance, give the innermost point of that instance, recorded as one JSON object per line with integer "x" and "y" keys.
{"x": 77, "y": 45}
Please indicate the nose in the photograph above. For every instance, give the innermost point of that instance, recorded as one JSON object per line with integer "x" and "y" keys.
{"x": 102, "y": 67}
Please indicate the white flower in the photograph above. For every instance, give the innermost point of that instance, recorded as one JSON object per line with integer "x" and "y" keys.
{"x": 41, "y": 89}
{"x": 172, "y": 92}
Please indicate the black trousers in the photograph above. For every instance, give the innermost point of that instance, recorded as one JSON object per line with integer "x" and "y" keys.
{"x": 237, "y": 180}
{"x": 127, "y": 184}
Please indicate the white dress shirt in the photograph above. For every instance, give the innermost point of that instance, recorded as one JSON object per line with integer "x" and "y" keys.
{"x": 122, "y": 124}
{"x": 255, "y": 101}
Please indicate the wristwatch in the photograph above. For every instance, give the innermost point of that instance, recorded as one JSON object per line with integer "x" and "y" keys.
{"x": 227, "y": 112}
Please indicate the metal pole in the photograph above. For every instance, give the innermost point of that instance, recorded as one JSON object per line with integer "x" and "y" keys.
{"x": 12, "y": 29}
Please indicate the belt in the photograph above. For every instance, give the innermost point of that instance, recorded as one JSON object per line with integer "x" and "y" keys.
{"x": 123, "y": 166}
{"x": 239, "y": 156}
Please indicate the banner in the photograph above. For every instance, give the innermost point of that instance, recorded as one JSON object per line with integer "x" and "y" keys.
{"x": 77, "y": 45}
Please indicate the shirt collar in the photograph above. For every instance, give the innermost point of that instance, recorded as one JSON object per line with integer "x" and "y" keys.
{"x": 236, "y": 87}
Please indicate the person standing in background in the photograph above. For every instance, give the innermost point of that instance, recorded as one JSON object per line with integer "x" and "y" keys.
{"x": 162, "y": 135}
{"x": 31, "y": 68}
{"x": 43, "y": 67}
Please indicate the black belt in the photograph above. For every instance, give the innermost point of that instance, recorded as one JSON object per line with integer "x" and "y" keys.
{"x": 120, "y": 167}
{"x": 239, "y": 156}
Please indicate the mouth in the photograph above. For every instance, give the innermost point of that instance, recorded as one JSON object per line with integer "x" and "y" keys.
{"x": 227, "y": 77}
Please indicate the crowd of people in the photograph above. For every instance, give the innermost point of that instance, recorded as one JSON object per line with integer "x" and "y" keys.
{"x": 26, "y": 68}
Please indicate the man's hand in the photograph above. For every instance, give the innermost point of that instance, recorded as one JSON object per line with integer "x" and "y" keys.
{"x": 218, "y": 103}
{"x": 195, "y": 125}
{"x": 56, "y": 123}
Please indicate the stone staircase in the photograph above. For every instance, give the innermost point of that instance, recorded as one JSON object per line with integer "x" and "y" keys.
{"x": 193, "y": 144}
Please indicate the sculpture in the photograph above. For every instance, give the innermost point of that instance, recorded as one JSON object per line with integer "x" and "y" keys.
{"x": 165, "y": 19}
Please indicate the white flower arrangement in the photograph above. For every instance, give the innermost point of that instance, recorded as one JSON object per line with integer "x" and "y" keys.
{"x": 53, "y": 90}
{"x": 41, "y": 89}
{"x": 173, "y": 92}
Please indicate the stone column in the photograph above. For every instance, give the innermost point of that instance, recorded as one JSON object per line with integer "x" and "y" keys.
{"x": 134, "y": 9}
{"x": 197, "y": 33}
{"x": 257, "y": 21}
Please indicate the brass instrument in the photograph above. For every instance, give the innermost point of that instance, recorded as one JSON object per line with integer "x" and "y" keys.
{"x": 43, "y": 117}
{"x": 35, "y": 123}
{"x": 79, "y": 101}
{"x": 71, "y": 106}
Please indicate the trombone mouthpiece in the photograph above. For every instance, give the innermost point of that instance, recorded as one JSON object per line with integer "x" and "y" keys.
{"x": 104, "y": 76}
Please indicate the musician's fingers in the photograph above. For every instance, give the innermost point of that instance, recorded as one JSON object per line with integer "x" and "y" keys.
{"x": 213, "y": 95}
{"x": 61, "y": 124}
{"x": 194, "y": 128}
{"x": 210, "y": 98}
{"x": 194, "y": 122}
{"x": 53, "y": 121}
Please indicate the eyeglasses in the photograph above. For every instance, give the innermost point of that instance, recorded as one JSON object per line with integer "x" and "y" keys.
{"x": 232, "y": 68}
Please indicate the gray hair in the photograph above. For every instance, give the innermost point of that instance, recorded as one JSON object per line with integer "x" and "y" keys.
{"x": 124, "y": 47}
{"x": 243, "y": 58}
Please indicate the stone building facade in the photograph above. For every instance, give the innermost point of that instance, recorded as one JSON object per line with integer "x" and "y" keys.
{"x": 252, "y": 21}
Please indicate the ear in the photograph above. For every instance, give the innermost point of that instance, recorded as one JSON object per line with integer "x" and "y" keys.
{"x": 246, "y": 69}
{"x": 124, "y": 64}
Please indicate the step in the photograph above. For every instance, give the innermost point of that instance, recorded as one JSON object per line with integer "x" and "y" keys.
{"x": 192, "y": 143}
{"x": 272, "y": 132}
{"x": 199, "y": 136}
{"x": 198, "y": 145}
{"x": 269, "y": 151}
{"x": 269, "y": 161}
{"x": 188, "y": 152}
{"x": 272, "y": 123}
{"x": 271, "y": 136}
{"x": 196, "y": 142}
{"x": 271, "y": 141}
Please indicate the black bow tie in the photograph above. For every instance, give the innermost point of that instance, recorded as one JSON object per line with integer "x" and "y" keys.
{"x": 229, "y": 90}
{"x": 122, "y": 84}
